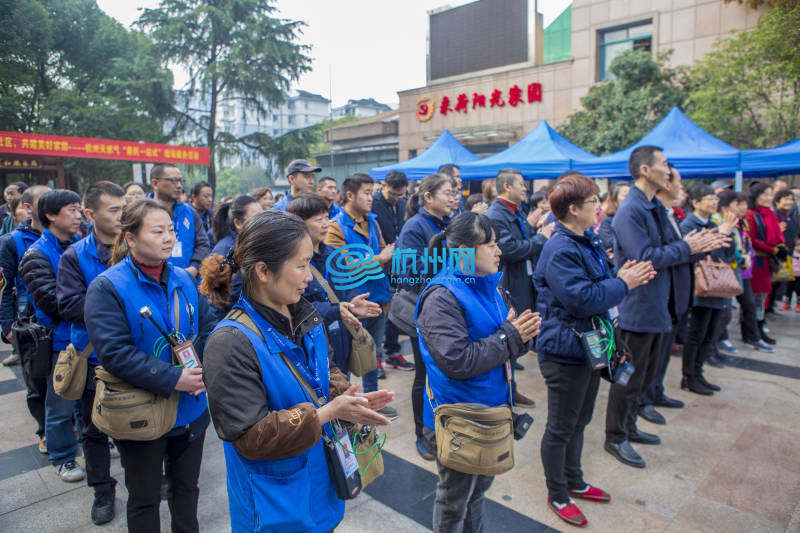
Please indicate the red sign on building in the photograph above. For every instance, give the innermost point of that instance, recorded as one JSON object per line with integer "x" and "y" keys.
{"x": 426, "y": 107}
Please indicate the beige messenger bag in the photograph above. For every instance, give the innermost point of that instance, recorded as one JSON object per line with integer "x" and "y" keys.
{"x": 69, "y": 373}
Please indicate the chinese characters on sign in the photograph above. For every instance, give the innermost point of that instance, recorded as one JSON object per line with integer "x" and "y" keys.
{"x": 407, "y": 267}
{"x": 53, "y": 145}
{"x": 21, "y": 163}
{"x": 426, "y": 107}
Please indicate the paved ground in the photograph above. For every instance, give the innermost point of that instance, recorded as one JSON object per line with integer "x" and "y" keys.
{"x": 728, "y": 463}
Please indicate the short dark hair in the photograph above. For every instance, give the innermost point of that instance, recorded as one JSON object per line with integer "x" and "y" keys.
{"x": 307, "y": 205}
{"x": 198, "y": 187}
{"x": 538, "y": 197}
{"x": 727, "y": 197}
{"x": 32, "y": 192}
{"x": 354, "y": 182}
{"x": 756, "y": 189}
{"x": 158, "y": 170}
{"x": 396, "y": 179}
{"x": 91, "y": 198}
{"x": 20, "y": 185}
{"x": 130, "y": 184}
{"x": 780, "y": 195}
{"x": 643, "y": 155}
{"x": 570, "y": 190}
{"x": 448, "y": 169}
{"x": 698, "y": 191}
{"x": 51, "y": 203}
{"x": 506, "y": 175}
{"x": 473, "y": 200}
{"x": 324, "y": 179}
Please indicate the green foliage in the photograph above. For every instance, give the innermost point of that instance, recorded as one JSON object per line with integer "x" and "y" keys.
{"x": 755, "y": 4}
{"x": 234, "y": 51}
{"x": 240, "y": 180}
{"x": 747, "y": 91}
{"x": 619, "y": 112}
{"x": 67, "y": 68}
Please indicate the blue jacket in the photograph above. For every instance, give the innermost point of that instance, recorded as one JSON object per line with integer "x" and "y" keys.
{"x": 390, "y": 218}
{"x": 338, "y": 336}
{"x": 293, "y": 493}
{"x": 416, "y": 234}
{"x": 642, "y": 233}
{"x": 575, "y": 281}
{"x": 605, "y": 232}
{"x": 130, "y": 347}
{"x": 379, "y": 289}
{"x": 183, "y": 219}
{"x": 728, "y": 255}
{"x": 12, "y": 249}
{"x": 485, "y": 312}
{"x": 225, "y": 244}
{"x": 283, "y": 202}
{"x": 80, "y": 265}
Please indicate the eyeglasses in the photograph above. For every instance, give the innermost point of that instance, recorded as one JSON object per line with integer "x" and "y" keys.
{"x": 174, "y": 181}
{"x": 592, "y": 201}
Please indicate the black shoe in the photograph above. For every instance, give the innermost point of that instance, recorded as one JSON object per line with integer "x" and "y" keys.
{"x": 625, "y": 453}
{"x": 422, "y": 450}
{"x": 521, "y": 400}
{"x": 164, "y": 488}
{"x": 764, "y": 337}
{"x": 670, "y": 403}
{"x": 716, "y": 362}
{"x": 518, "y": 366}
{"x": 649, "y": 413}
{"x": 691, "y": 384}
{"x": 643, "y": 437}
{"x": 103, "y": 506}
{"x": 704, "y": 382}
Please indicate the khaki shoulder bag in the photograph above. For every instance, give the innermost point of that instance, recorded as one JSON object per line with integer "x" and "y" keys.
{"x": 362, "y": 346}
{"x": 126, "y": 412}
{"x": 365, "y": 438}
{"x": 473, "y": 438}
{"x": 69, "y": 373}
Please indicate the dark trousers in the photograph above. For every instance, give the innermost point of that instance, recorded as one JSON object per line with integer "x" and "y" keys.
{"x": 623, "y": 400}
{"x": 458, "y": 507}
{"x": 37, "y": 393}
{"x": 571, "y": 393}
{"x": 747, "y": 313}
{"x": 655, "y": 391}
{"x": 94, "y": 442}
{"x": 418, "y": 396}
{"x": 703, "y": 331}
{"x": 142, "y": 461}
{"x": 391, "y": 343}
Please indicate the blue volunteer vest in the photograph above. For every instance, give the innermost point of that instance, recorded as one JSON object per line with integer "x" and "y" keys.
{"x": 91, "y": 267}
{"x": 380, "y": 291}
{"x": 22, "y": 240}
{"x": 183, "y": 221}
{"x": 294, "y": 493}
{"x": 484, "y": 312}
{"x": 49, "y": 246}
{"x": 135, "y": 291}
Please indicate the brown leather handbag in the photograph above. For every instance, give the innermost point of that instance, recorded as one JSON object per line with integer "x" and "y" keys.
{"x": 715, "y": 279}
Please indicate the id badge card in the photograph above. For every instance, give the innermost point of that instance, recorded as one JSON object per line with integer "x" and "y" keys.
{"x": 348, "y": 460}
{"x": 186, "y": 355}
{"x": 177, "y": 249}
{"x": 529, "y": 267}
{"x": 613, "y": 313}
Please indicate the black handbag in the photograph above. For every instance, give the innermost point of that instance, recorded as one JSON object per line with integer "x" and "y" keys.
{"x": 401, "y": 311}
{"x": 34, "y": 344}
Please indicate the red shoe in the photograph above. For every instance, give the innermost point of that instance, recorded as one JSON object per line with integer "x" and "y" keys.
{"x": 568, "y": 512}
{"x": 592, "y": 493}
{"x": 786, "y": 306}
{"x": 399, "y": 362}
{"x": 797, "y": 308}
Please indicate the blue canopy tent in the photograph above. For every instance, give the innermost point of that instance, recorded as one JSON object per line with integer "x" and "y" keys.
{"x": 694, "y": 152}
{"x": 541, "y": 154}
{"x": 445, "y": 150}
{"x": 783, "y": 159}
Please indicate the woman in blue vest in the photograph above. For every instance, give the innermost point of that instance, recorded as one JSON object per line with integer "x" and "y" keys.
{"x": 133, "y": 349}
{"x": 278, "y": 477}
{"x": 577, "y": 288}
{"x": 467, "y": 338}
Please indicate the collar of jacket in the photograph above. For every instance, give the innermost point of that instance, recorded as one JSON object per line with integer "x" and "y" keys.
{"x": 301, "y": 312}
{"x": 485, "y": 285}
{"x": 639, "y": 196}
{"x": 25, "y": 226}
{"x": 707, "y": 224}
{"x": 511, "y": 207}
{"x": 589, "y": 237}
{"x": 440, "y": 223}
{"x": 55, "y": 241}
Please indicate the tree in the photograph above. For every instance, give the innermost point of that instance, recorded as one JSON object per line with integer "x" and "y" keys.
{"x": 619, "y": 112}
{"x": 66, "y": 68}
{"x": 747, "y": 91}
{"x": 755, "y": 4}
{"x": 234, "y": 51}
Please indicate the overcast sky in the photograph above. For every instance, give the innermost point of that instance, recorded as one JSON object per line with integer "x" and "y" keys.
{"x": 360, "y": 48}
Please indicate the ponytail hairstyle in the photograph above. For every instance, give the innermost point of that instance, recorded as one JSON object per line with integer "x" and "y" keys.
{"x": 229, "y": 211}
{"x": 131, "y": 221}
{"x": 467, "y": 230}
{"x": 432, "y": 183}
{"x": 269, "y": 237}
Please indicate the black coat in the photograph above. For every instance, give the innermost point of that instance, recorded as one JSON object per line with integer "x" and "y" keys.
{"x": 390, "y": 219}
{"x": 9, "y": 262}
{"x": 517, "y": 249}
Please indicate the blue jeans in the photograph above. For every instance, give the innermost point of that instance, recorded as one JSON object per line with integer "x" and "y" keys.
{"x": 376, "y": 327}
{"x": 58, "y": 427}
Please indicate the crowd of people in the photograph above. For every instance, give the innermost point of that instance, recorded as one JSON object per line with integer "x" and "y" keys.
{"x": 228, "y": 313}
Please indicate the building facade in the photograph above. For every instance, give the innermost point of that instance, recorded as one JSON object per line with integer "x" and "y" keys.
{"x": 361, "y": 108}
{"x": 488, "y": 110}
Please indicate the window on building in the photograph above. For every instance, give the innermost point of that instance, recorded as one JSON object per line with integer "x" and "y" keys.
{"x": 614, "y": 42}
{"x": 412, "y": 153}
{"x": 306, "y": 104}
{"x": 291, "y": 119}
{"x": 291, "y": 104}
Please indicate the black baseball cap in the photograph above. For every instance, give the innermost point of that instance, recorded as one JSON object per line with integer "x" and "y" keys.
{"x": 301, "y": 165}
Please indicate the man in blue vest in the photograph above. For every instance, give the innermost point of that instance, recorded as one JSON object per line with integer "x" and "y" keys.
{"x": 191, "y": 244}
{"x": 355, "y": 224}
{"x": 59, "y": 212}
{"x": 300, "y": 174}
{"x": 14, "y": 302}
{"x": 327, "y": 189}
{"x": 80, "y": 265}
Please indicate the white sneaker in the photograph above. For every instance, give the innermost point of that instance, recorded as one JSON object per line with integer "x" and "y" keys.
{"x": 70, "y": 472}
{"x": 42, "y": 445}
{"x": 12, "y": 359}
